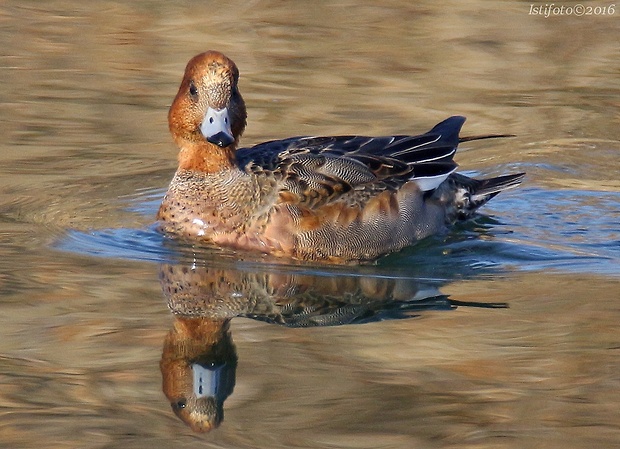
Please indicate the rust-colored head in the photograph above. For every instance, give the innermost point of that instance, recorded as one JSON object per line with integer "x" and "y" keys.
{"x": 208, "y": 112}
{"x": 198, "y": 370}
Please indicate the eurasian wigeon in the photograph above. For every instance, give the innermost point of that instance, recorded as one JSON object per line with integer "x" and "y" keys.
{"x": 336, "y": 199}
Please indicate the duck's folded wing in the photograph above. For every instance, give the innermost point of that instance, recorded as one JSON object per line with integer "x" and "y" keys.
{"x": 318, "y": 170}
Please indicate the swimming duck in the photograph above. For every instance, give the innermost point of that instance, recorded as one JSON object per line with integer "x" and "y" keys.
{"x": 334, "y": 199}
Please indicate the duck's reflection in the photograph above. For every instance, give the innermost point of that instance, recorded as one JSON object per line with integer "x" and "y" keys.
{"x": 199, "y": 359}
{"x": 198, "y": 368}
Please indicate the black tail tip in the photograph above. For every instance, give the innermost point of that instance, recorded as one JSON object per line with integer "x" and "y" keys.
{"x": 492, "y": 186}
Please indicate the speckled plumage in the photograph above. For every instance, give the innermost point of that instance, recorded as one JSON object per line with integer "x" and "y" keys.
{"x": 337, "y": 199}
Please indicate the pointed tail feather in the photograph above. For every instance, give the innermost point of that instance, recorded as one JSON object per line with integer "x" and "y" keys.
{"x": 484, "y": 136}
{"x": 472, "y": 193}
{"x": 492, "y": 186}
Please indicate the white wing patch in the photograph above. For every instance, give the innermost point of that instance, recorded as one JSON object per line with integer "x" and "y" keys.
{"x": 426, "y": 183}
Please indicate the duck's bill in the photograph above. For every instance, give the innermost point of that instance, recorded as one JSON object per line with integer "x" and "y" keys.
{"x": 216, "y": 127}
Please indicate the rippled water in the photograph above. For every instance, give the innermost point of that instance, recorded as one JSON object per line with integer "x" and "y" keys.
{"x": 502, "y": 333}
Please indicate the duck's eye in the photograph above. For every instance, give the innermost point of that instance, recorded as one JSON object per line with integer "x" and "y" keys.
{"x": 180, "y": 404}
{"x": 193, "y": 90}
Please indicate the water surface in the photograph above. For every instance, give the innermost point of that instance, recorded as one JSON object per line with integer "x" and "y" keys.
{"x": 501, "y": 333}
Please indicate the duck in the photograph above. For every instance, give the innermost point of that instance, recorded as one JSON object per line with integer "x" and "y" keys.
{"x": 335, "y": 199}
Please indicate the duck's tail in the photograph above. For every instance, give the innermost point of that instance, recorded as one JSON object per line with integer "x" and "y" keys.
{"x": 472, "y": 193}
{"x": 484, "y": 136}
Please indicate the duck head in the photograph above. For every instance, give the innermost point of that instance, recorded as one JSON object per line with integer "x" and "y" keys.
{"x": 208, "y": 114}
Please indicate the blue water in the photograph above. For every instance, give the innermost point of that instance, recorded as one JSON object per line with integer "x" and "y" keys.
{"x": 528, "y": 229}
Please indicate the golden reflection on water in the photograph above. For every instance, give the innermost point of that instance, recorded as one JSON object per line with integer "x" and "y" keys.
{"x": 199, "y": 360}
{"x": 83, "y": 115}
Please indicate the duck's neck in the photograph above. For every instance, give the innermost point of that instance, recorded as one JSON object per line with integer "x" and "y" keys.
{"x": 199, "y": 334}
{"x": 206, "y": 157}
